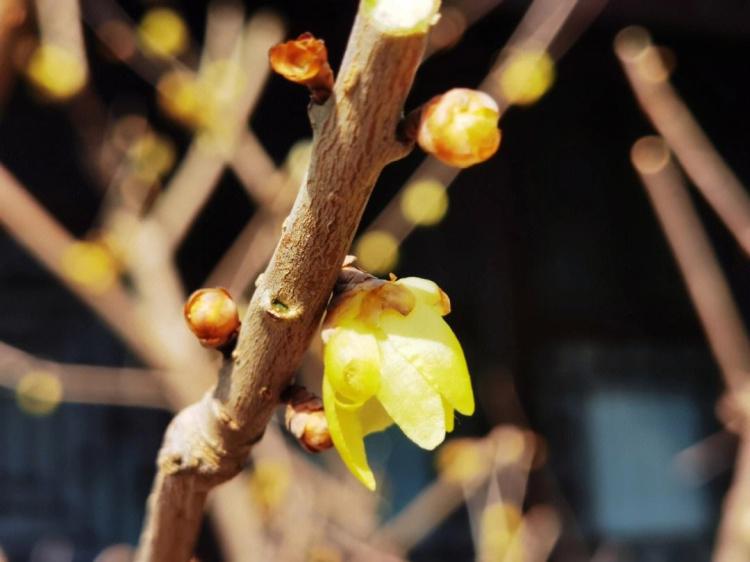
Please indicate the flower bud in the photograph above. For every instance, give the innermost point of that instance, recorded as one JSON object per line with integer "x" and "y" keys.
{"x": 304, "y": 61}
{"x": 212, "y": 316}
{"x": 460, "y": 127}
{"x": 306, "y": 420}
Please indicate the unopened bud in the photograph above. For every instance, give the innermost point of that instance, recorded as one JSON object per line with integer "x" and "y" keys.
{"x": 306, "y": 420}
{"x": 212, "y": 316}
{"x": 460, "y": 127}
{"x": 304, "y": 61}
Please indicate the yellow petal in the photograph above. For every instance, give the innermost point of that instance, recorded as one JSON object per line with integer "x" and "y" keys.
{"x": 352, "y": 362}
{"x": 428, "y": 293}
{"x": 342, "y": 309}
{"x": 413, "y": 404}
{"x": 373, "y": 417}
{"x": 450, "y": 416}
{"x": 348, "y": 436}
{"x": 429, "y": 345}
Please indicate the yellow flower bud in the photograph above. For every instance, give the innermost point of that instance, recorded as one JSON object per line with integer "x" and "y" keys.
{"x": 389, "y": 358}
{"x": 212, "y": 316}
{"x": 460, "y": 127}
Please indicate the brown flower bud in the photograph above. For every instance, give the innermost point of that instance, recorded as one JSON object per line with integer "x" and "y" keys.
{"x": 306, "y": 420}
{"x": 212, "y": 316}
{"x": 304, "y": 61}
{"x": 460, "y": 127}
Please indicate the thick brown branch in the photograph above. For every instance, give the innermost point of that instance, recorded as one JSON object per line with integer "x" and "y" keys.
{"x": 354, "y": 138}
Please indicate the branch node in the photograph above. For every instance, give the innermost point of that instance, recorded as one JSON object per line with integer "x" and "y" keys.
{"x": 278, "y": 308}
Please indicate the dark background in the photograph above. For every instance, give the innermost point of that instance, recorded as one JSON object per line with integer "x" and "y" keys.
{"x": 562, "y": 287}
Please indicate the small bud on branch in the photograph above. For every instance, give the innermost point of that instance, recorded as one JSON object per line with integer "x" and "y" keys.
{"x": 459, "y": 127}
{"x": 304, "y": 61}
{"x": 306, "y": 420}
{"x": 211, "y": 314}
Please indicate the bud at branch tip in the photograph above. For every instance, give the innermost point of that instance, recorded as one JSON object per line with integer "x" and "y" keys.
{"x": 304, "y": 61}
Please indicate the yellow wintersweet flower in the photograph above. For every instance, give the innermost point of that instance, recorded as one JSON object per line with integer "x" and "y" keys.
{"x": 389, "y": 358}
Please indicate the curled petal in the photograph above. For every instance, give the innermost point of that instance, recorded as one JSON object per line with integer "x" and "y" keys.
{"x": 352, "y": 364}
{"x": 428, "y": 344}
{"x": 348, "y": 436}
{"x": 413, "y": 404}
{"x": 428, "y": 293}
{"x": 343, "y": 309}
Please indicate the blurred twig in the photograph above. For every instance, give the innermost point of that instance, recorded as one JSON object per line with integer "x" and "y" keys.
{"x": 648, "y": 75}
{"x": 85, "y": 384}
{"x": 48, "y": 241}
{"x": 202, "y": 167}
{"x": 718, "y": 313}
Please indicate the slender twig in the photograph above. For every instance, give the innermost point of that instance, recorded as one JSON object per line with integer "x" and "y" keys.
{"x": 201, "y": 169}
{"x": 354, "y": 138}
{"x": 85, "y": 384}
{"x": 717, "y": 311}
{"x": 648, "y": 77}
{"x": 48, "y": 241}
{"x": 706, "y": 283}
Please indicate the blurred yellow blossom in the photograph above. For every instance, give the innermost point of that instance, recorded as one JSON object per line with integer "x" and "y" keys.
{"x": 499, "y": 527}
{"x": 377, "y": 251}
{"x": 163, "y": 33}
{"x": 151, "y": 156}
{"x": 389, "y": 357}
{"x": 270, "y": 482}
{"x": 90, "y": 264}
{"x": 526, "y": 77}
{"x": 39, "y": 393}
{"x": 184, "y": 98}
{"x": 425, "y": 202}
{"x": 56, "y": 71}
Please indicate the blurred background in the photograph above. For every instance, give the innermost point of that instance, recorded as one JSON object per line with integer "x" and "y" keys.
{"x": 596, "y": 388}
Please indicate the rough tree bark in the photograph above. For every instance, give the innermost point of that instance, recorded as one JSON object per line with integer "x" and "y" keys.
{"x": 354, "y": 137}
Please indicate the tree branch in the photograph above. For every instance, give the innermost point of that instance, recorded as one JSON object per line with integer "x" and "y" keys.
{"x": 354, "y": 138}
{"x": 86, "y": 384}
{"x": 648, "y": 77}
{"x": 721, "y": 319}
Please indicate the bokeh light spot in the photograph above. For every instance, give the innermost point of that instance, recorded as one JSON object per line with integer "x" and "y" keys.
{"x": 39, "y": 393}
{"x": 425, "y": 202}
{"x": 162, "y": 33}
{"x": 57, "y": 72}
{"x": 526, "y": 77}
{"x": 377, "y": 251}
{"x": 90, "y": 264}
